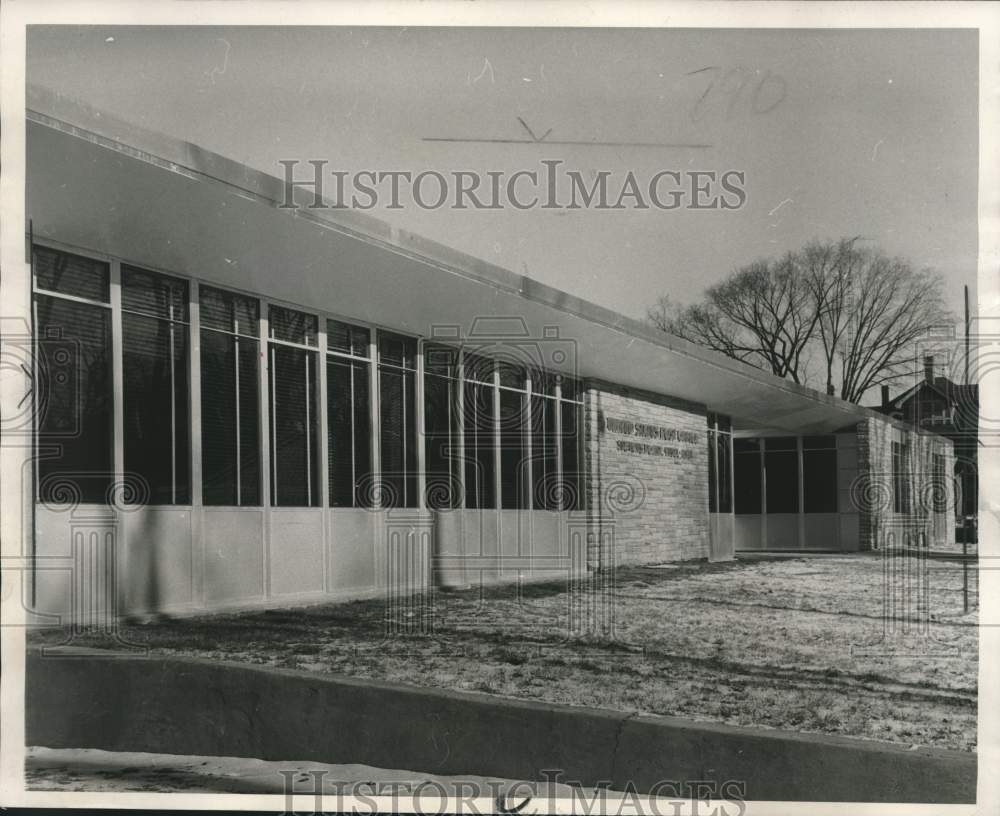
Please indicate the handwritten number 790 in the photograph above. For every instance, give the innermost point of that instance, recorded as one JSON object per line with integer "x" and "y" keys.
{"x": 729, "y": 87}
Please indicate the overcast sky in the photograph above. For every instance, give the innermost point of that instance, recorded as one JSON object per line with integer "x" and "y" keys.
{"x": 839, "y": 133}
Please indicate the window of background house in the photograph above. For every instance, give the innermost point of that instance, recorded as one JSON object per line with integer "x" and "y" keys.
{"x": 900, "y": 477}
{"x": 939, "y": 494}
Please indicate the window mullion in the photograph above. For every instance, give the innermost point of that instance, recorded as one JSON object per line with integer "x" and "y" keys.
{"x": 375, "y": 411}
{"x": 194, "y": 393}
{"x": 118, "y": 373}
{"x": 527, "y": 434}
{"x": 353, "y": 433}
{"x": 73, "y": 298}
{"x": 309, "y": 431}
{"x": 496, "y": 441}
{"x": 273, "y": 430}
{"x": 418, "y": 401}
{"x": 239, "y": 435}
{"x": 173, "y": 416}
{"x": 324, "y": 420}
{"x": 560, "y": 476}
{"x": 460, "y": 453}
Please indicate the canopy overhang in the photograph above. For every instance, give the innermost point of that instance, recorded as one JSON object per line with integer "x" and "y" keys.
{"x": 97, "y": 183}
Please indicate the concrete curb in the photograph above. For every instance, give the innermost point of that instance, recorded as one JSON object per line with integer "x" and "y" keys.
{"x": 191, "y": 706}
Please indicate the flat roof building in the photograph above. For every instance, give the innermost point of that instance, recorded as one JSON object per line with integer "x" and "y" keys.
{"x": 243, "y": 404}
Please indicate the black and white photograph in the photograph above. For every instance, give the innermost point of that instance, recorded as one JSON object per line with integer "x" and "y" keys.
{"x": 460, "y": 408}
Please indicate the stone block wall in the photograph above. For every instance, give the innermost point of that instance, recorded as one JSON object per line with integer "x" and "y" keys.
{"x": 873, "y": 492}
{"x": 647, "y": 477}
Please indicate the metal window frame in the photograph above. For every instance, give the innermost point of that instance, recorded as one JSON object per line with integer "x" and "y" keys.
{"x": 317, "y": 410}
{"x": 190, "y": 326}
{"x": 266, "y": 397}
{"x": 354, "y": 324}
{"x": 456, "y": 452}
{"x": 117, "y": 419}
{"x": 353, "y": 363}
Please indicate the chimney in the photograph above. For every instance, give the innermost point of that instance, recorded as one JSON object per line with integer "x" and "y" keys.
{"x": 929, "y": 368}
{"x": 885, "y": 396}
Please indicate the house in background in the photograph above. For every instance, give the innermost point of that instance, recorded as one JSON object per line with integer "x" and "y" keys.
{"x": 938, "y": 404}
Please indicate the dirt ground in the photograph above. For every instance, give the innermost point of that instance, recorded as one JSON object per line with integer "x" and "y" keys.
{"x": 832, "y": 644}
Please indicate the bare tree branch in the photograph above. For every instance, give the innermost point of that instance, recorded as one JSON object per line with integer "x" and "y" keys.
{"x": 858, "y": 311}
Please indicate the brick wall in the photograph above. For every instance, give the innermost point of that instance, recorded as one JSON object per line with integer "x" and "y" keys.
{"x": 647, "y": 477}
{"x": 874, "y": 491}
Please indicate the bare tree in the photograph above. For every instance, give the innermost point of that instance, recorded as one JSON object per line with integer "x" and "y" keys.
{"x": 829, "y": 270}
{"x": 859, "y": 311}
{"x": 762, "y": 315}
{"x": 663, "y": 314}
{"x": 889, "y": 307}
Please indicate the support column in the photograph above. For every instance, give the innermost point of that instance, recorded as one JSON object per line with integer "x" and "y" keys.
{"x": 194, "y": 413}
{"x": 121, "y": 491}
{"x": 265, "y": 447}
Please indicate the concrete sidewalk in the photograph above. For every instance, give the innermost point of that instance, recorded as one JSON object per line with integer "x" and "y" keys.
{"x": 92, "y": 770}
{"x": 192, "y": 706}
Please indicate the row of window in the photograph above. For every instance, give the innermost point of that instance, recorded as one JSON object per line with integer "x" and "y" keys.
{"x": 767, "y": 474}
{"x": 494, "y": 435}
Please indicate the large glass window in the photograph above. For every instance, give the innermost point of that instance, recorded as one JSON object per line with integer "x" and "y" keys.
{"x": 514, "y": 428}
{"x": 230, "y": 405}
{"x": 572, "y": 493}
{"x": 544, "y": 453}
{"x": 293, "y": 392}
{"x": 397, "y": 411}
{"x": 73, "y": 377}
{"x": 747, "y": 476}
{"x": 480, "y": 430}
{"x": 819, "y": 474}
{"x": 442, "y": 409}
{"x": 156, "y": 389}
{"x": 348, "y": 414}
{"x": 72, "y": 275}
{"x": 720, "y": 473}
{"x": 781, "y": 474}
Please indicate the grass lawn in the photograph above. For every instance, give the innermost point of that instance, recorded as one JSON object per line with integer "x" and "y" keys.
{"x": 775, "y": 642}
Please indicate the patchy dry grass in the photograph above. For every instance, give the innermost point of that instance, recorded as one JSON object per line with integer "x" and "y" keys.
{"x": 791, "y": 643}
